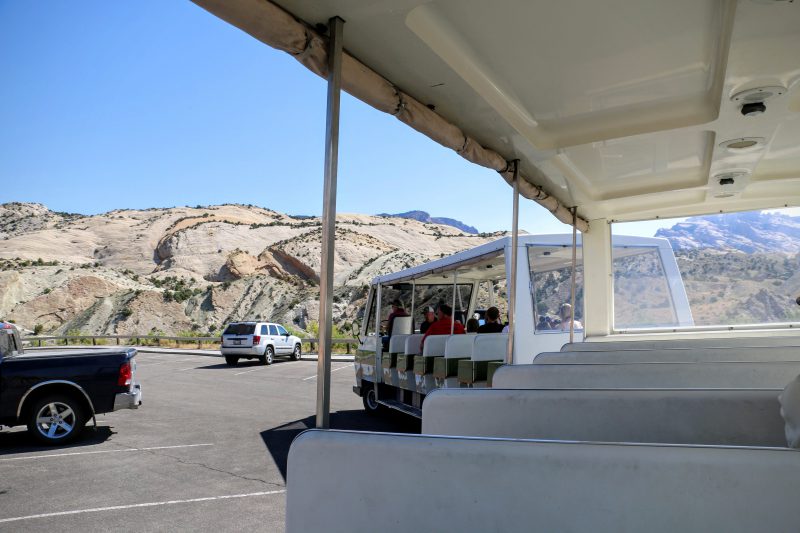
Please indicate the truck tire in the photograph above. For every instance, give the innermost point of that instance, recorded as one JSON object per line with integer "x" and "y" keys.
{"x": 371, "y": 406}
{"x": 231, "y": 360}
{"x": 56, "y": 419}
{"x": 297, "y": 354}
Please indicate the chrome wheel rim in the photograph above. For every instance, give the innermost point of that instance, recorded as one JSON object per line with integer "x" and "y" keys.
{"x": 269, "y": 355}
{"x": 55, "y": 420}
{"x": 297, "y": 352}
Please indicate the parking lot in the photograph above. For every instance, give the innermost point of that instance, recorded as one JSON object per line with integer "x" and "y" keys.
{"x": 205, "y": 452}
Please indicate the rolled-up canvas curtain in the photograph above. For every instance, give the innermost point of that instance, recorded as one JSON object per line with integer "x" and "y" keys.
{"x": 274, "y": 26}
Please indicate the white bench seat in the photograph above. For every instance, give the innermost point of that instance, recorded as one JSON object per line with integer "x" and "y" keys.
{"x": 682, "y": 355}
{"x": 721, "y": 342}
{"x": 456, "y": 484}
{"x": 763, "y": 375}
{"x": 737, "y": 417}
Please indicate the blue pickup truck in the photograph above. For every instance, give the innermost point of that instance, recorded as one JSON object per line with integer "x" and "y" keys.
{"x": 56, "y": 392}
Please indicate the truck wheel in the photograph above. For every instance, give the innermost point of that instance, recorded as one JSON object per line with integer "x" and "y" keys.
{"x": 268, "y": 357}
{"x": 56, "y": 419}
{"x": 371, "y": 405}
{"x": 297, "y": 354}
{"x": 231, "y": 360}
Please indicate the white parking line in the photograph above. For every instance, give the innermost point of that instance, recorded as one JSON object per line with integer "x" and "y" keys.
{"x": 332, "y": 371}
{"x": 139, "y": 505}
{"x": 103, "y": 451}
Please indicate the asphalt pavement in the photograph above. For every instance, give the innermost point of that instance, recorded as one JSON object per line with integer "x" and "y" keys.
{"x": 206, "y": 451}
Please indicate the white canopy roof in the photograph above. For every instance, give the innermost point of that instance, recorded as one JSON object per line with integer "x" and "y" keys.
{"x": 619, "y": 107}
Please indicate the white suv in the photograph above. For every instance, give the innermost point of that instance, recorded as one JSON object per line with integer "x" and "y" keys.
{"x": 258, "y": 340}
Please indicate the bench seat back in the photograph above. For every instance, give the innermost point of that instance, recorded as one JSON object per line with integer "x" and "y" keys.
{"x": 761, "y": 375}
{"x": 736, "y": 417}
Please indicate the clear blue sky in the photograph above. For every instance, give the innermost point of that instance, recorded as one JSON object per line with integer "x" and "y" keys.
{"x": 123, "y": 104}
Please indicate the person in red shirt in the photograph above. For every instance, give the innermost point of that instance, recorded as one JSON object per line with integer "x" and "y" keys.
{"x": 443, "y": 325}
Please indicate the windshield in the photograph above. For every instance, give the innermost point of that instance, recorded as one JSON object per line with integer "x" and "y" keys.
{"x": 240, "y": 329}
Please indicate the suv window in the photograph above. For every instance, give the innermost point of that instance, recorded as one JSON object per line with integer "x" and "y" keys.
{"x": 273, "y": 330}
{"x": 282, "y": 330}
{"x": 240, "y": 329}
{"x": 264, "y": 330}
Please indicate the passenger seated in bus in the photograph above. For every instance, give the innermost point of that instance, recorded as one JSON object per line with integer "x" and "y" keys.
{"x": 443, "y": 325}
{"x": 397, "y": 311}
{"x": 566, "y": 316}
{"x": 430, "y": 318}
{"x": 492, "y": 324}
{"x": 473, "y": 325}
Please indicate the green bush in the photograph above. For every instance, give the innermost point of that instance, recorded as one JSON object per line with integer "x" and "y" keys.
{"x": 37, "y": 329}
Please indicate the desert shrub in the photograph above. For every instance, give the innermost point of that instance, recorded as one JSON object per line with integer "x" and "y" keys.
{"x": 37, "y": 329}
{"x": 46, "y": 291}
{"x": 125, "y": 313}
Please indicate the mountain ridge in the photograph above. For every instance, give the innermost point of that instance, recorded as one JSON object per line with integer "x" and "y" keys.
{"x": 424, "y": 216}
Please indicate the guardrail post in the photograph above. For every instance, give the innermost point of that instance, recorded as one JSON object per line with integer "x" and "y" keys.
{"x": 117, "y": 341}
{"x": 40, "y": 343}
{"x": 94, "y": 341}
{"x": 347, "y": 344}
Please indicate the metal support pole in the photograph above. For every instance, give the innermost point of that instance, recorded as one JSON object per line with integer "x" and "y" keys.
{"x": 413, "y": 294}
{"x": 512, "y": 283}
{"x": 453, "y": 309}
{"x": 378, "y": 340}
{"x": 329, "y": 222}
{"x": 574, "y": 275}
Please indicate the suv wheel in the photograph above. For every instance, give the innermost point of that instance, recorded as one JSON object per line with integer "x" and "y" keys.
{"x": 231, "y": 360}
{"x": 297, "y": 354}
{"x": 56, "y": 419}
{"x": 268, "y": 357}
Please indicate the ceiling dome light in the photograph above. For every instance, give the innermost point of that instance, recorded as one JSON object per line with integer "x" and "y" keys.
{"x": 742, "y": 144}
{"x": 758, "y": 94}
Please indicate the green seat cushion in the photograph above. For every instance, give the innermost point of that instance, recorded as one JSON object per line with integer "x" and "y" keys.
{"x": 445, "y": 368}
{"x": 423, "y": 365}
{"x": 405, "y": 362}
{"x": 389, "y": 360}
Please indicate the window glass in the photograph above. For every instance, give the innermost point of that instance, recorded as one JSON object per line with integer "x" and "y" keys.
{"x": 642, "y": 295}
{"x": 424, "y": 295}
{"x": 281, "y": 330}
{"x": 551, "y": 273}
{"x": 240, "y": 329}
{"x": 264, "y": 329}
{"x": 492, "y": 293}
{"x": 6, "y": 346}
{"x": 737, "y": 268}
{"x": 273, "y": 330}
{"x": 433, "y": 295}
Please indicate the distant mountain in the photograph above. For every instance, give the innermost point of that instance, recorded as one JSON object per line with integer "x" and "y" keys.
{"x": 746, "y": 232}
{"x": 422, "y": 216}
{"x": 194, "y": 269}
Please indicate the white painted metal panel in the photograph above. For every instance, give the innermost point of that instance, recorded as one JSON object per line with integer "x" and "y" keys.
{"x": 743, "y": 417}
{"x": 647, "y": 375}
{"x": 446, "y": 484}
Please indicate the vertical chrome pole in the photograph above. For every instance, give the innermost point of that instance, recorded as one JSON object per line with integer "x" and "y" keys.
{"x": 574, "y": 274}
{"x": 329, "y": 222}
{"x": 378, "y": 341}
{"x": 512, "y": 283}
{"x": 413, "y": 294}
{"x": 453, "y": 309}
